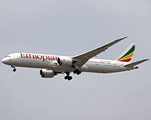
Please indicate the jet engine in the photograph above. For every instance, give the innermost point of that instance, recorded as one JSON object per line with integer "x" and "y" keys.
{"x": 64, "y": 61}
{"x": 47, "y": 73}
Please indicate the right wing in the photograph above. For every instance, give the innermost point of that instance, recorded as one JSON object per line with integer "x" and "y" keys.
{"x": 80, "y": 60}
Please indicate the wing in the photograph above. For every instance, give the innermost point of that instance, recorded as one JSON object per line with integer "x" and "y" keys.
{"x": 80, "y": 60}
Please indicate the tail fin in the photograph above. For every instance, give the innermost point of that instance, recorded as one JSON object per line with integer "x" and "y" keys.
{"x": 126, "y": 56}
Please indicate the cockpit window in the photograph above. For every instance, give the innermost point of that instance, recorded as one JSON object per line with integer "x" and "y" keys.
{"x": 8, "y": 56}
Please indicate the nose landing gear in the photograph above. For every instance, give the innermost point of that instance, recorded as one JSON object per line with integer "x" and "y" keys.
{"x": 14, "y": 69}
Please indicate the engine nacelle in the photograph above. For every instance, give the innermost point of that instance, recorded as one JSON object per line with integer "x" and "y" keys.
{"x": 64, "y": 61}
{"x": 47, "y": 73}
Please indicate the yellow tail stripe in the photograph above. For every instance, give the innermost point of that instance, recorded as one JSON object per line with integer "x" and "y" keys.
{"x": 127, "y": 57}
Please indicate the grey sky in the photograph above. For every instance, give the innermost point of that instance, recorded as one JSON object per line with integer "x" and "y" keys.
{"x": 71, "y": 27}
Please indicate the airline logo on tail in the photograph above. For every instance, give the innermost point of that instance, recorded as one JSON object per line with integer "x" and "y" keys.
{"x": 126, "y": 56}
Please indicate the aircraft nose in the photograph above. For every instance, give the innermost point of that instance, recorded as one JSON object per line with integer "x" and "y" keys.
{"x": 5, "y": 60}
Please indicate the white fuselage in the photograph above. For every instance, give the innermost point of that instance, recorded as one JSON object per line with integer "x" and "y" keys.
{"x": 49, "y": 62}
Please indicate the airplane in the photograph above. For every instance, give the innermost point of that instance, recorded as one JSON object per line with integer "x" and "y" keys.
{"x": 52, "y": 65}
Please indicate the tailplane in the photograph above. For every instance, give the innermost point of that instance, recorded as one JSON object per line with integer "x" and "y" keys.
{"x": 126, "y": 56}
{"x": 136, "y": 63}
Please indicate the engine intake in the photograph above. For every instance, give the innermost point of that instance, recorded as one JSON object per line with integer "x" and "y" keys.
{"x": 64, "y": 61}
{"x": 47, "y": 73}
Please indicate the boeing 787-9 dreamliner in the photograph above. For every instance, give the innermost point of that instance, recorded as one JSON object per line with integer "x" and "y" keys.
{"x": 52, "y": 65}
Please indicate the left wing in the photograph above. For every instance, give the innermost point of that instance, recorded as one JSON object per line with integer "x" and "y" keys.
{"x": 80, "y": 60}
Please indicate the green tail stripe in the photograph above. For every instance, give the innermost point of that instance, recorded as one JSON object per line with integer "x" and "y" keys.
{"x": 129, "y": 52}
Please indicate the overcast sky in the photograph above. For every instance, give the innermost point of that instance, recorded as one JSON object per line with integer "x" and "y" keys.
{"x": 71, "y": 27}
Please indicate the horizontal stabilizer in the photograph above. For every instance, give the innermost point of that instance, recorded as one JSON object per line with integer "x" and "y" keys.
{"x": 135, "y": 63}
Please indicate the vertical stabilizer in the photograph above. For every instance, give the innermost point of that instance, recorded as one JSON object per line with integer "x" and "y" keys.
{"x": 126, "y": 56}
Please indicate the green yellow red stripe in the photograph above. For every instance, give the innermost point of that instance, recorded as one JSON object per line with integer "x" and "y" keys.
{"x": 128, "y": 55}
{"x": 126, "y": 60}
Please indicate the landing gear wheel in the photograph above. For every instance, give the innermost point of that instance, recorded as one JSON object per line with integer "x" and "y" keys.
{"x": 79, "y": 72}
{"x": 66, "y": 77}
{"x": 69, "y": 78}
{"x": 14, "y": 70}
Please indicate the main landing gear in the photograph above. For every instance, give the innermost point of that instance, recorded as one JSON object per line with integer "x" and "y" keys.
{"x": 68, "y": 77}
{"x": 77, "y": 72}
{"x": 14, "y": 69}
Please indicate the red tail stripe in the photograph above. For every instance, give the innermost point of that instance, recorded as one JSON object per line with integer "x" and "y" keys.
{"x": 127, "y": 60}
